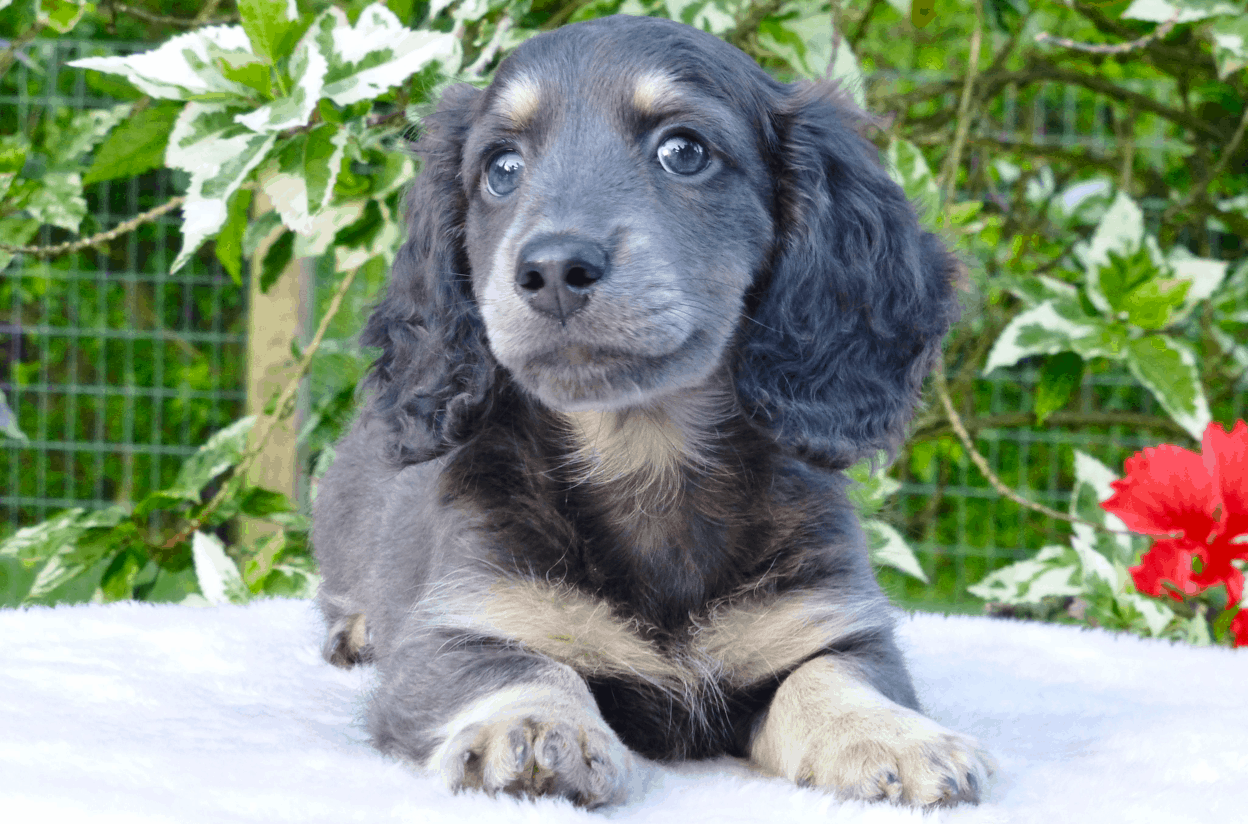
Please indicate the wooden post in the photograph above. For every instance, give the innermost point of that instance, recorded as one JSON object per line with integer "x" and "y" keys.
{"x": 275, "y": 319}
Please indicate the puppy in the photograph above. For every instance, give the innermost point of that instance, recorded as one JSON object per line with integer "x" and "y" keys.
{"x": 651, "y": 304}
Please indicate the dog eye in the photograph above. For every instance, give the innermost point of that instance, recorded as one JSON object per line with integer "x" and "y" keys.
{"x": 503, "y": 176}
{"x": 681, "y": 155}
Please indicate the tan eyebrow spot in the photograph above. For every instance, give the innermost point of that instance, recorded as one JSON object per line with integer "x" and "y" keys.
{"x": 519, "y": 100}
{"x": 653, "y": 90}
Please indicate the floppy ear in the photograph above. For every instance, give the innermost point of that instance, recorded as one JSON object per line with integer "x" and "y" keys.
{"x": 435, "y": 373}
{"x": 849, "y": 319}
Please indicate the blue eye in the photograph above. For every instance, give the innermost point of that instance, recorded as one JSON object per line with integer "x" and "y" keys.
{"x": 681, "y": 155}
{"x": 503, "y": 175}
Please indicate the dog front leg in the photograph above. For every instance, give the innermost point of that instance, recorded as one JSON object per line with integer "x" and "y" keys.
{"x": 827, "y": 726}
{"x": 499, "y": 720}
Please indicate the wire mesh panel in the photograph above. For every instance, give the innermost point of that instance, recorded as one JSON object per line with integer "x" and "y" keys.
{"x": 115, "y": 369}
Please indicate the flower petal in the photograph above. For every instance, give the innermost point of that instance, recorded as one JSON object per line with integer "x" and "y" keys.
{"x": 1239, "y": 628}
{"x": 1166, "y": 490}
{"x": 1169, "y": 561}
{"x": 1226, "y": 460}
{"x": 1215, "y": 568}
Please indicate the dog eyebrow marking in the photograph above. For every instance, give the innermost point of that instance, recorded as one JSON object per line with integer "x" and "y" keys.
{"x": 654, "y": 91}
{"x": 520, "y": 100}
{"x": 738, "y": 644}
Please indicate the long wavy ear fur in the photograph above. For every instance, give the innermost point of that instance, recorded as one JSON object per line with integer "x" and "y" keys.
{"x": 849, "y": 320}
{"x": 435, "y": 373}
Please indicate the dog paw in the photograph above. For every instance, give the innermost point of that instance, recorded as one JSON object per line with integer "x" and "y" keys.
{"x": 895, "y": 755}
{"x": 827, "y": 729}
{"x": 534, "y": 746}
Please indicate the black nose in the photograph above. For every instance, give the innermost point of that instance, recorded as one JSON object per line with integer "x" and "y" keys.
{"x": 557, "y": 273}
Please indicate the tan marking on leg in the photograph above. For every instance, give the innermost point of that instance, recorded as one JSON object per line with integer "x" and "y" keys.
{"x": 559, "y": 622}
{"x": 756, "y": 640}
{"x": 654, "y": 91}
{"x": 520, "y": 100}
{"x": 827, "y": 727}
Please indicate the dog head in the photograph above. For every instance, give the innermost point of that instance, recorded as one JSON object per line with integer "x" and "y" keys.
{"x": 632, "y": 209}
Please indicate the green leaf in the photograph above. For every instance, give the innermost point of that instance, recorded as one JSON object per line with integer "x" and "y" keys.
{"x": 136, "y": 146}
{"x": 888, "y": 547}
{"x": 307, "y": 69}
{"x": 258, "y": 502}
{"x": 1167, "y": 368}
{"x": 119, "y": 577}
{"x": 216, "y": 574}
{"x": 1150, "y": 305}
{"x": 57, "y": 534}
{"x": 276, "y": 259}
{"x": 219, "y": 154}
{"x": 268, "y": 24}
{"x": 377, "y": 53}
{"x": 17, "y": 231}
{"x": 222, "y": 451}
{"x": 1059, "y": 377}
{"x": 229, "y": 247}
{"x": 246, "y": 70}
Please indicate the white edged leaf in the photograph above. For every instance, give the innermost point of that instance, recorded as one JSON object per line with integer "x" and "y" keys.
{"x": 1156, "y": 615}
{"x": 308, "y": 66}
{"x": 1230, "y": 44}
{"x": 1204, "y": 275}
{"x": 218, "y": 153}
{"x": 888, "y": 547}
{"x": 267, "y": 23}
{"x": 300, "y": 178}
{"x": 377, "y": 53}
{"x": 1051, "y": 327}
{"x": 215, "y": 573}
{"x": 58, "y": 201}
{"x": 1167, "y": 368}
{"x": 1121, "y": 231}
{"x": 1026, "y": 582}
{"x": 1161, "y": 11}
{"x": 908, "y": 167}
{"x": 182, "y": 67}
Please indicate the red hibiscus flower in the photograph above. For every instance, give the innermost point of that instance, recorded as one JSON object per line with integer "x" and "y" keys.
{"x": 1200, "y": 503}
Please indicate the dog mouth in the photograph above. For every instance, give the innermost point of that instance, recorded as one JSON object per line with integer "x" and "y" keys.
{"x": 581, "y": 375}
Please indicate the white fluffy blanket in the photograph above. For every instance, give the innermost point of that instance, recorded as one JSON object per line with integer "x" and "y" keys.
{"x": 139, "y": 713}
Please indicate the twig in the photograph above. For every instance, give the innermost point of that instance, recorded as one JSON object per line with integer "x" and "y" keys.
{"x": 103, "y": 237}
{"x": 165, "y": 20}
{"x": 955, "y": 421}
{"x": 950, "y": 174}
{"x": 1120, "y": 48}
{"x": 1219, "y": 167}
{"x": 280, "y": 411}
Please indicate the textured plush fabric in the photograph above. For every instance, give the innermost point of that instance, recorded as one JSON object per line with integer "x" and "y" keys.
{"x": 137, "y": 713}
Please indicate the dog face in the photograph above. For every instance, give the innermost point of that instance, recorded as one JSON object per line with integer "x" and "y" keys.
{"x": 611, "y": 241}
{"x": 634, "y": 207}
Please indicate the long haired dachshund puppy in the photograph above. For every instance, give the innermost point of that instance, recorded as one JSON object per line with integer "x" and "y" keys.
{"x": 651, "y": 303}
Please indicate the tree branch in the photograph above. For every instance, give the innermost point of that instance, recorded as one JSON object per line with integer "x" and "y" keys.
{"x": 103, "y": 237}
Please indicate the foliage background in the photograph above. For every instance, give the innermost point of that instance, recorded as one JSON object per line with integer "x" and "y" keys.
{"x": 1088, "y": 159}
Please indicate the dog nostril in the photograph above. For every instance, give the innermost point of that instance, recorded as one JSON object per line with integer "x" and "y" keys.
{"x": 531, "y": 280}
{"x": 579, "y": 277}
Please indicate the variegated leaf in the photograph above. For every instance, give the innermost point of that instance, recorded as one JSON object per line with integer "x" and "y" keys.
{"x": 300, "y": 179}
{"x": 1167, "y": 368}
{"x": 307, "y": 67}
{"x": 1055, "y": 326}
{"x": 183, "y": 67}
{"x": 377, "y": 53}
{"x": 218, "y": 153}
{"x": 1121, "y": 231}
